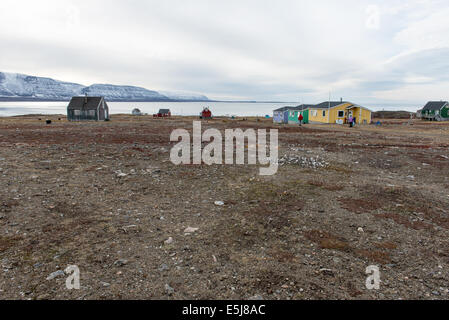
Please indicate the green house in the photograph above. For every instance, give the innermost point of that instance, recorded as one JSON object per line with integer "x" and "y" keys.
{"x": 293, "y": 114}
{"x": 436, "y": 111}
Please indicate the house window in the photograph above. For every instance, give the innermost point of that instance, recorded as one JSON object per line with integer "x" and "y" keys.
{"x": 77, "y": 112}
{"x": 341, "y": 114}
{"x": 324, "y": 113}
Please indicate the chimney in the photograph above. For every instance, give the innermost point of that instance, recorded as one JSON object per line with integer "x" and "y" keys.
{"x": 341, "y": 99}
{"x": 85, "y": 98}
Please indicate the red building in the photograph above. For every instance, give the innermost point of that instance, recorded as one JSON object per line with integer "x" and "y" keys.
{"x": 163, "y": 113}
{"x": 206, "y": 113}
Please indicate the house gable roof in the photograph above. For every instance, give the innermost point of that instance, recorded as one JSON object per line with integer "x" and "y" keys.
{"x": 331, "y": 104}
{"x": 84, "y": 103}
{"x": 304, "y": 106}
{"x": 283, "y": 109}
{"x": 435, "y": 105}
{"x": 297, "y": 108}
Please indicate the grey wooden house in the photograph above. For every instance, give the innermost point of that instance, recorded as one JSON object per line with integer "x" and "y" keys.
{"x": 87, "y": 108}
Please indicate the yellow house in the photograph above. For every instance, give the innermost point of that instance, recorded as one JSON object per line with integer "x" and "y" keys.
{"x": 338, "y": 112}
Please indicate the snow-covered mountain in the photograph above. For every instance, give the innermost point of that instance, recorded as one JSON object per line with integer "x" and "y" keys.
{"x": 113, "y": 92}
{"x": 20, "y": 85}
{"x": 14, "y": 86}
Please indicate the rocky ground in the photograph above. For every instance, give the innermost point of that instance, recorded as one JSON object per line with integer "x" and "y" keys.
{"x": 106, "y": 198}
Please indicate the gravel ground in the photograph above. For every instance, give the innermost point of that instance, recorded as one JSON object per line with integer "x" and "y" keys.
{"x": 106, "y": 198}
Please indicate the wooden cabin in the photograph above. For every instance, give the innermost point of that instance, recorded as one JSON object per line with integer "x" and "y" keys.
{"x": 163, "y": 113}
{"x": 436, "y": 110}
{"x": 206, "y": 113}
{"x": 339, "y": 112}
{"x": 87, "y": 108}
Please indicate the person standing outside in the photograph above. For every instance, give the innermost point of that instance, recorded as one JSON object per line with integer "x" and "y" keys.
{"x": 300, "y": 118}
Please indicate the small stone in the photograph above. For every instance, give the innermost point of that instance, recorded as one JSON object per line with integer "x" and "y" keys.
{"x": 256, "y": 297}
{"x": 120, "y": 174}
{"x": 163, "y": 267}
{"x": 219, "y": 203}
{"x": 120, "y": 262}
{"x": 327, "y": 272}
{"x": 169, "y": 240}
{"x": 105, "y": 284}
{"x": 190, "y": 230}
{"x": 336, "y": 260}
{"x": 55, "y": 274}
{"x": 360, "y": 229}
{"x": 169, "y": 289}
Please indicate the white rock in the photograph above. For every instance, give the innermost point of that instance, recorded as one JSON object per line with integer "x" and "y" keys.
{"x": 190, "y": 230}
{"x": 55, "y": 274}
{"x": 360, "y": 229}
{"x": 169, "y": 240}
{"x": 219, "y": 203}
{"x": 120, "y": 174}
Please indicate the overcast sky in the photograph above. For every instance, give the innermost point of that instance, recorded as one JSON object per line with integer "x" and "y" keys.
{"x": 363, "y": 51}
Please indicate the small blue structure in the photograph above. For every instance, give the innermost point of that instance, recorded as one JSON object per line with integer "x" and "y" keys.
{"x": 281, "y": 115}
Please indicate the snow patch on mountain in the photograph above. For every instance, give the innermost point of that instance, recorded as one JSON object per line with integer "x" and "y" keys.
{"x": 184, "y": 96}
{"x": 113, "y": 92}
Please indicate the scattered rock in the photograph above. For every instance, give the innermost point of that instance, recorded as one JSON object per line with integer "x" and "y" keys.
{"x": 105, "y": 284}
{"x": 190, "y": 230}
{"x": 303, "y": 161}
{"x": 121, "y": 262}
{"x": 56, "y": 274}
{"x": 163, "y": 267}
{"x": 256, "y": 297}
{"x": 169, "y": 240}
{"x": 219, "y": 203}
{"x": 327, "y": 272}
{"x": 360, "y": 229}
{"x": 170, "y": 291}
{"x": 120, "y": 174}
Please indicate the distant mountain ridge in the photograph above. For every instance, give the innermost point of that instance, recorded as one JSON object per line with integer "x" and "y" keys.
{"x": 16, "y": 87}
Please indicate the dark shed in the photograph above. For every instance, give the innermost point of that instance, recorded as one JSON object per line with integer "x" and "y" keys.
{"x": 87, "y": 108}
{"x": 164, "y": 113}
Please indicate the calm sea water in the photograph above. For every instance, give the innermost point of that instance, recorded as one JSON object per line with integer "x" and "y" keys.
{"x": 177, "y": 108}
